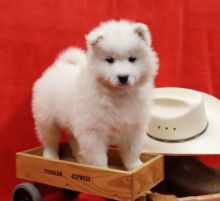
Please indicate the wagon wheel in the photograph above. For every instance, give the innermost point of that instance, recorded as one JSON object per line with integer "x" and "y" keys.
{"x": 142, "y": 198}
{"x": 70, "y": 193}
{"x": 26, "y": 192}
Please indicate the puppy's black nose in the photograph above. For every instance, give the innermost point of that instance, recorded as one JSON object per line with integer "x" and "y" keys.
{"x": 123, "y": 79}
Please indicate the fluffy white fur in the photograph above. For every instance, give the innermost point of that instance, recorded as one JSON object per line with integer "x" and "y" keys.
{"x": 82, "y": 93}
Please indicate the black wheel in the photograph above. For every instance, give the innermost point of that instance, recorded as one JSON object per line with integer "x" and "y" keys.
{"x": 108, "y": 199}
{"x": 70, "y": 193}
{"x": 26, "y": 192}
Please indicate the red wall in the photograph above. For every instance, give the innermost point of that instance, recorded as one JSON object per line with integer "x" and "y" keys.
{"x": 186, "y": 35}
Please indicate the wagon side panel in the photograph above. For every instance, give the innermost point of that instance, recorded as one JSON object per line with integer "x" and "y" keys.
{"x": 64, "y": 174}
{"x": 148, "y": 176}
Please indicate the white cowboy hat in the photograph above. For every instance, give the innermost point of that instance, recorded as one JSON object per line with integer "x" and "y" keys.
{"x": 184, "y": 122}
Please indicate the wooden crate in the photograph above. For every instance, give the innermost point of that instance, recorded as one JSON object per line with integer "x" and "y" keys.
{"x": 161, "y": 197}
{"x": 114, "y": 182}
{"x": 210, "y": 197}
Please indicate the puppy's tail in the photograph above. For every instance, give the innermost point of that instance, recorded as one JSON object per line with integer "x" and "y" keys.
{"x": 73, "y": 55}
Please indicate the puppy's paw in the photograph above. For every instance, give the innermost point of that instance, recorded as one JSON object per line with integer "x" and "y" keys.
{"x": 47, "y": 153}
{"x": 133, "y": 164}
{"x": 96, "y": 162}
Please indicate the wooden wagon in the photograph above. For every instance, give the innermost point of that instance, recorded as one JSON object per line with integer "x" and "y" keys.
{"x": 113, "y": 183}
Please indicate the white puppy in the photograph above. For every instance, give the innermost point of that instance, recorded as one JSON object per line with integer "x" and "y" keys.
{"x": 101, "y": 97}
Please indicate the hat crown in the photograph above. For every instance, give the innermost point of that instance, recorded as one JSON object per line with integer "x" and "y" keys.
{"x": 178, "y": 114}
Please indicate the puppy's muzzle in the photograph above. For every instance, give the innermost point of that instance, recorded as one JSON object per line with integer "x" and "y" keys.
{"x": 123, "y": 79}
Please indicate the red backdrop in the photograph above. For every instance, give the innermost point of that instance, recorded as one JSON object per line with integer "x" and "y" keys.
{"x": 186, "y": 35}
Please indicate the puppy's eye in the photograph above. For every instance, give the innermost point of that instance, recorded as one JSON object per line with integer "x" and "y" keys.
{"x": 132, "y": 59}
{"x": 110, "y": 60}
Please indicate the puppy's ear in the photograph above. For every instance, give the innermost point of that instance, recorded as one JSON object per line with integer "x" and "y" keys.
{"x": 93, "y": 37}
{"x": 143, "y": 32}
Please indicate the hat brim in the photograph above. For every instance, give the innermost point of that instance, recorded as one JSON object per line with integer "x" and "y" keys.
{"x": 207, "y": 143}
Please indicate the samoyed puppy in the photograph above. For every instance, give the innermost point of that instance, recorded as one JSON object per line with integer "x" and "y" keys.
{"x": 101, "y": 97}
